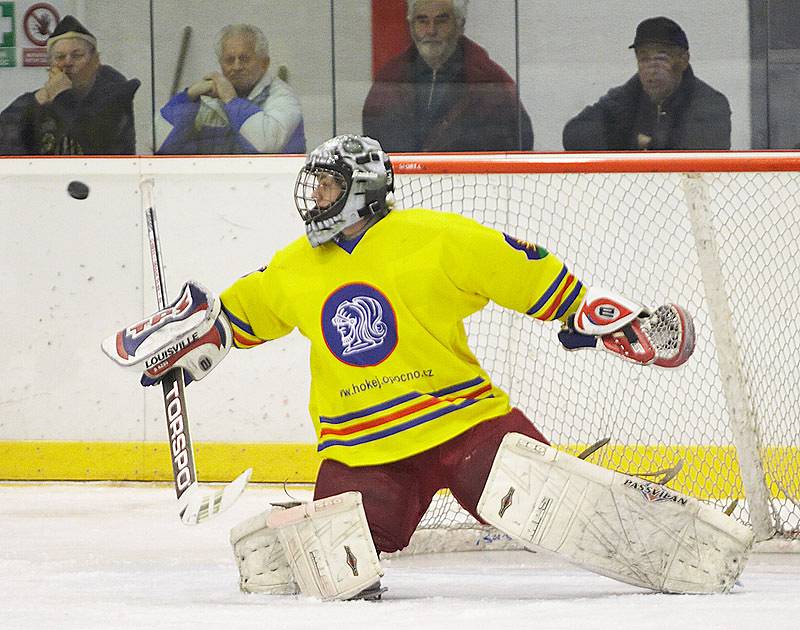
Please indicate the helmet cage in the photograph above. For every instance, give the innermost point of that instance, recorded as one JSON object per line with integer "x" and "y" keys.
{"x": 364, "y": 173}
{"x": 308, "y": 179}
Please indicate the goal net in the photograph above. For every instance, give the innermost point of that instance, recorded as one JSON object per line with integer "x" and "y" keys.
{"x": 718, "y": 234}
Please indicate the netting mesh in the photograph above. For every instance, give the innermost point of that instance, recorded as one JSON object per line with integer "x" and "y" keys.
{"x": 632, "y": 233}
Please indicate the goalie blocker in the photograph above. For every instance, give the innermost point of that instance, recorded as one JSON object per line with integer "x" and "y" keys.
{"x": 611, "y": 523}
{"x": 190, "y": 333}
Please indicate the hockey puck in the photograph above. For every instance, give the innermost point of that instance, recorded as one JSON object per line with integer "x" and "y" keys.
{"x": 78, "y": 190}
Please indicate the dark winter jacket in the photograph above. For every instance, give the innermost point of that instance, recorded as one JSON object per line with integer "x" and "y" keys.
{"x": 469, "y": 104}
{"x": 694, "y": 117}
{"x": 99, "y": 124}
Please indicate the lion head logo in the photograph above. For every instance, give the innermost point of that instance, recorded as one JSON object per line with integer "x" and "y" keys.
{"x": 359, "y": 325}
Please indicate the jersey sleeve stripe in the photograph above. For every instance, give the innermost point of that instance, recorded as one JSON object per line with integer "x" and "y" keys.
{"x": 549, "y": 313}
{"x": 238, "y": 322}
{"x": 243, "y": 335}
{"x": 549, "y": 293}
{"x": 571, "y": 299}
{"x": 245, "y": 342}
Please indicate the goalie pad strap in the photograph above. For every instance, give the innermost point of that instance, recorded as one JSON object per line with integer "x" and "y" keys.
{"x": 614, "y": 524}
{"x": 329, "y": 546}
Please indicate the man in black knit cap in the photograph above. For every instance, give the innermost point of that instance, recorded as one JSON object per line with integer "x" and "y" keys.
{"x": 84, "y": 107}
{"x": 664, "y": 106}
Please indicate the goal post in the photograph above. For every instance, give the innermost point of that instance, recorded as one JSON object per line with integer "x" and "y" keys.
{"x": 718, "y": 233}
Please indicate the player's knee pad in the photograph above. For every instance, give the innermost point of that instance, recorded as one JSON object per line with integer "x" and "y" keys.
{"x": 329, "y": 547}
{"x": 615, "y": 524}
{"x": 263, "y": 566}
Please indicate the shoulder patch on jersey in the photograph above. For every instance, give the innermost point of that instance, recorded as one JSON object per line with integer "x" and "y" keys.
{"x": 359, "y": 325}
{"x": 532, "y": 251}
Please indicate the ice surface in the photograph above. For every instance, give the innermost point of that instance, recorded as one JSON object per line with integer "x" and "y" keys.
{"x": 85, "y": 556}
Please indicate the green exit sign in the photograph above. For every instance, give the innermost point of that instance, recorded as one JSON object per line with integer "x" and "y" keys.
{"x": 7, "y": 25}
{"x": 8, "y": 53}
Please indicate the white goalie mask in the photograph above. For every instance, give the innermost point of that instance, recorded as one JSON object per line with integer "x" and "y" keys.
{"x": 344, "y": 180}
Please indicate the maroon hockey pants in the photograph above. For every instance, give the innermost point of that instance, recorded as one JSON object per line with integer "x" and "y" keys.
{"x": 396, "y": 495}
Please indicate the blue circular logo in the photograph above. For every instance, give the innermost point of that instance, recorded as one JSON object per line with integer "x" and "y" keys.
{"x": 359, "y": 325}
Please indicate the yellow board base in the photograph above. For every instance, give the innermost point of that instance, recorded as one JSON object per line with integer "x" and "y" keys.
{"x": 150, "y": 461}
{"x": 709, "y": 472}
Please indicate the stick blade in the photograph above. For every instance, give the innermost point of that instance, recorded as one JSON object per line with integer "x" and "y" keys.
{"x": 198, "y": 505}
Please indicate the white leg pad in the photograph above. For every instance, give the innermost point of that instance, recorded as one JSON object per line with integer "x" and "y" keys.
{"x": 614, "y": 524}
{"x": 329, "y": 546}
{"x": 262, "y": 562}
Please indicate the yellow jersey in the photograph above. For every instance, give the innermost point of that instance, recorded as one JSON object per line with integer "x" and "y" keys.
{"x": 391, "y": 371}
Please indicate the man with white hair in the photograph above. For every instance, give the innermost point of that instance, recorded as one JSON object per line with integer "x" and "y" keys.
{"x": 444, "y": 93}
{"x": 241, "y": 109}
{"x": 84, "y": 107}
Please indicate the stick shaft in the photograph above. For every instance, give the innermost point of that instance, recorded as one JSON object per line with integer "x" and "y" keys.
{"x": 172, "y": 385}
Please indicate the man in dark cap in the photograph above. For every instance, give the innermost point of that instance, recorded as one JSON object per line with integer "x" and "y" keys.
{"x": 84, "y": 107}
{"x": 663, "y": 107}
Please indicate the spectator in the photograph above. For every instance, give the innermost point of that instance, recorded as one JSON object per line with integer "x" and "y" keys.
{"x": 664, "y": 106}
{"x": 243, "y": 109}
{"x": 84, "y": 107}
{"x": 444, "y": 93}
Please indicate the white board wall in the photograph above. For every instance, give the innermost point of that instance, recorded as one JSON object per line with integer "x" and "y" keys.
{"x": 74, "y": 272}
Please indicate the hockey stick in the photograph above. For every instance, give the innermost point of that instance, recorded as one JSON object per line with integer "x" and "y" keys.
{"x": 176, "y": 79}
{"x": 194, "y": 504}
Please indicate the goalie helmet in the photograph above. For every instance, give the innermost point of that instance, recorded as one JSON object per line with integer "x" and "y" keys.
{"x": 344, "y": 180}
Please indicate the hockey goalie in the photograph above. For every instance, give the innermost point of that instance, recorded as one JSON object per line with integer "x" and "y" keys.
{"x": 402, "y": 408}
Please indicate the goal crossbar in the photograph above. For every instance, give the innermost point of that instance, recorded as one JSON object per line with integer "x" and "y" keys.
{"x": 633, "y": 162}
